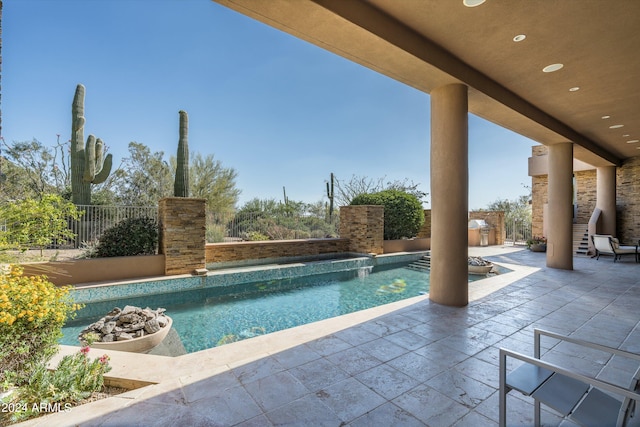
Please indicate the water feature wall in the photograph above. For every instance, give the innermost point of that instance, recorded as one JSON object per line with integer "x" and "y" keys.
{"x": 222, "y": 254}
{"x": 182, "y": 234}
{"x": 364, "y": 227}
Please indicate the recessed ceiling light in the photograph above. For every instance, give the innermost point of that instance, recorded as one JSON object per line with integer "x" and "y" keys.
{"x": 625, "y": 135}
{"x": 519, "y": 38}
{"x": 574, "y": 89}
{"x": 615, "y": 126}
{"x": 633, "y": 141}
{"x": 606, "y": 117}
{"x": 551, "y": 68}
{"x": 472, "y": 3}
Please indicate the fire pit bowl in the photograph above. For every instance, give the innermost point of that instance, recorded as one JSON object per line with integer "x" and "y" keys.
{"x": 137, "y": 345}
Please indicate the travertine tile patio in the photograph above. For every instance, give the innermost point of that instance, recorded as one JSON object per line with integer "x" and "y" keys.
{"x": 412, "y": 363}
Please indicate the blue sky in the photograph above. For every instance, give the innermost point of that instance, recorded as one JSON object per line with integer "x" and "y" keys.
{"x": 280, "y": 111}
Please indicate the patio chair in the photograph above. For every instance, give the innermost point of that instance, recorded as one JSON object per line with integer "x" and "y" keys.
{"x": 608, "y": 245}
{"x": 584, "y": 400}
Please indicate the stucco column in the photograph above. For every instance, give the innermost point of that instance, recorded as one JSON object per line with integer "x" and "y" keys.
{"x": 449, "y": 195}
{"x": 606, "y": 198}
{"x": 560, "y": 207}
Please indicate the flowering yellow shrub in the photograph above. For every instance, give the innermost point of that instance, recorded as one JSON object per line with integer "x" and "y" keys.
{"x": 32, "y": 313}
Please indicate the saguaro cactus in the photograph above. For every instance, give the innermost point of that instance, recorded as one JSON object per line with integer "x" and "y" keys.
{"x": 87, "y": 163}
{"x": 181, "y": 183}
{"x": 330, "y": 196}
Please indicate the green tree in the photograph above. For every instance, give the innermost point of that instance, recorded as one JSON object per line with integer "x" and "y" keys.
{"x": 345, "y": 191}
{"x": 211, "y": 181}
{"x": 403, "y": 213}
{"x": 36, "y": 222}
{"x": 33, "y": 168}
{"x": 143, "y": 178}
{"x": 517, "y": 210}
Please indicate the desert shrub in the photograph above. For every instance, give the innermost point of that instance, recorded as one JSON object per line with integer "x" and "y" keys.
{"x": 32, "y": 313}
{"x": 256, "y": 236}
{"x": 403, "y": 213}
{"x": 75, "y": 378}
{"x": 215, "y": 233}
{"x": 131, "y": 236}
{"x": 37, "y": 223}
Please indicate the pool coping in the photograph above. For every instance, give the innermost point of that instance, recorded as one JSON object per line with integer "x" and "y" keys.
{"x": 166, "y": 374}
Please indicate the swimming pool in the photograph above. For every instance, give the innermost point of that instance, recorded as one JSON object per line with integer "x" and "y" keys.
{"x": 216, "y": 315}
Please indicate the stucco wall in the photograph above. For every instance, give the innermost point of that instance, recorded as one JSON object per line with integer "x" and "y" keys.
{"x": 98, "y": 269}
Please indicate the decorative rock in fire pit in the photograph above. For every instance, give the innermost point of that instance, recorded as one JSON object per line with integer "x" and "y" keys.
{"x": 478, "y": 265}
{"x": 131, "y": 329}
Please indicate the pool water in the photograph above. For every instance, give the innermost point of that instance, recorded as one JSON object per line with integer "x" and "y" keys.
{"x": 209, "y": 317}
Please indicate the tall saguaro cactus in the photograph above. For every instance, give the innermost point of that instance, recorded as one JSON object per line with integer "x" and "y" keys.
{"x": 181, "y": 183}
{"x": 330, "y": 196}
{"x": 88, "y": 164}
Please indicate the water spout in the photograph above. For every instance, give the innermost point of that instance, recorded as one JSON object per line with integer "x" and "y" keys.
{"x": 364, "y": 271}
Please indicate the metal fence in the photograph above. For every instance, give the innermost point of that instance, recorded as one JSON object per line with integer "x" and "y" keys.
{"x": 219, "y": 227}
{"x": 96, "y": 219}
{"x": 517, "y": 232}
{"x": 262, "y": 226}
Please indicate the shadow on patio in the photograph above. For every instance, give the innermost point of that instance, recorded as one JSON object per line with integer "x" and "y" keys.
{"x": 421, "y": 364}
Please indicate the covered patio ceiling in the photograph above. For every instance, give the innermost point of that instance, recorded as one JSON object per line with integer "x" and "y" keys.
{"x": 429, "y": 43}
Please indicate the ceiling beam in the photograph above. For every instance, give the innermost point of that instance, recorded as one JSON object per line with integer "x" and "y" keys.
{"x": 396, "y": 33}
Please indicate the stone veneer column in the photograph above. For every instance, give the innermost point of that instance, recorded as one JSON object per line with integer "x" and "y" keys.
{"x": 606, "y": 198}
{"x": 182, "y": 234}
{"x": 449, "y": 195}
{"x": 425, "y": 230}
{"x": 363, "y": 225}
{"x": 560, "y": 208}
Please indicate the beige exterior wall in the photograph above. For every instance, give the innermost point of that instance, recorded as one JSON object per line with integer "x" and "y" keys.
{"x": 110, "y": 269}
{"x": 408, "y": 245}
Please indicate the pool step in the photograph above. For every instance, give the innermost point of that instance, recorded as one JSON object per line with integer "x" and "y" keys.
{"x": 423, "y": 264}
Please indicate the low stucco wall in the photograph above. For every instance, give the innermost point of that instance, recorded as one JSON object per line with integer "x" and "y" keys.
{"x": 241, "y": 251}
{"x": 98, "y": 269}
{"x": 407, "y": 245}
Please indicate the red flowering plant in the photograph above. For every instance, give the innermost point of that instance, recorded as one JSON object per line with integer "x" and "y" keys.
{"x": 536, "y": 240}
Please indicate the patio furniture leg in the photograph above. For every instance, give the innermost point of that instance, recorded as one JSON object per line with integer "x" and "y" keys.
{"x": 503, "y": 390}
{"x": 536, "y": 402}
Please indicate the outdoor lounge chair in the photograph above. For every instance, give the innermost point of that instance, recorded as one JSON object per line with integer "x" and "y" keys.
{"x": 608, "y": 245}
{"x": 584, "y": 400}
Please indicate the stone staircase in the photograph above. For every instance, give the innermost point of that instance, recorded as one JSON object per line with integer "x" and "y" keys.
{"x": 423, "y": 264}
{"x": 580, "y": 239}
